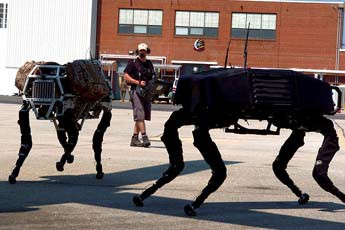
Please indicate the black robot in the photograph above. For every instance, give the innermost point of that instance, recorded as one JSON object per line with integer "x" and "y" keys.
{"x": 220, "y": 97}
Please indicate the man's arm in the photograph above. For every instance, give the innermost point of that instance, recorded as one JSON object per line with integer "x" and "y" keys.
{"x": 131, "y": 80}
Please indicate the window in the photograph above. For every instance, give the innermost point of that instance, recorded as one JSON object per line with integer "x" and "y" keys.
{"x": 195, "y": 23}
{"x": 140, "y": 21}
{"x": 3, "y": 15}
{"x": 262, "y": 26}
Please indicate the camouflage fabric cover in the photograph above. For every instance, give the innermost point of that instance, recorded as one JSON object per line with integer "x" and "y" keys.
{"x": 87, "y": 80}
{"x": 23, "y": 73}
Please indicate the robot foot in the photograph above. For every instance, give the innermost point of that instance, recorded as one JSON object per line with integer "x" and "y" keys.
{"x": 189, "y": 210}
{"x": 70, "y": 159}
{"x": 138, "y": 201}
{"x": 100, "y": 173}
{"x": 304, "y": 198}
{"x": 59, "y": 166}
{"x": 12, "y": 179}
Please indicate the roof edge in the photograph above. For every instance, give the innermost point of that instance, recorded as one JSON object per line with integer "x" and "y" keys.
{"x": 296, "y": 1}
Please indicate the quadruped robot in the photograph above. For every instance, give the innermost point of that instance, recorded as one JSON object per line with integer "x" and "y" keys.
{"x": 67, "y": 95}
{"x": 219, "y": 98}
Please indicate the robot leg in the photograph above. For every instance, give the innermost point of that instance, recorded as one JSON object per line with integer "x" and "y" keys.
{"x": 61, "y": 135}
{"x": 287, "y": 151}
{"x": 173, "y": 145}
{"x": 97, "y": 141}
{"x": 211, "y": 154}
{"x": 26, "y": 141}
{"x": 325, "y": 155}
{"x": 69, "y": 124}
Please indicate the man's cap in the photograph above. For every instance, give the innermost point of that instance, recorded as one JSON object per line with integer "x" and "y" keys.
{"x": 142, "y": 46}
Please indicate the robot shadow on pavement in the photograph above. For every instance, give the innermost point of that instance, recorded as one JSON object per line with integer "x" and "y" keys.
{"x": 115, "y": 192}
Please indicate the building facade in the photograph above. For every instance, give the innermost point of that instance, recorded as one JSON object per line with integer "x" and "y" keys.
{"x": 306, "y": 35}
{"x": 302, "y": 34}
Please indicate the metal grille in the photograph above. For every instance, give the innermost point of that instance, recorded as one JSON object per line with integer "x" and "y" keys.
{"x": 271, "y": 89}
{"x": 43, "y": 90}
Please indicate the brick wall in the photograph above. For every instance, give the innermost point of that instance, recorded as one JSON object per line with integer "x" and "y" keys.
{"x": 305, "y": 35}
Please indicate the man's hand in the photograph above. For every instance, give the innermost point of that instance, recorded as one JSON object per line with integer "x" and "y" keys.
{"x": 142, "y": 83}
{"x": 131, "y": 80}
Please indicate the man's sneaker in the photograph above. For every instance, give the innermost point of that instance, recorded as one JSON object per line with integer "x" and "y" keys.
{"x": 135, "y": 142}
{"x": 146, "y": 141}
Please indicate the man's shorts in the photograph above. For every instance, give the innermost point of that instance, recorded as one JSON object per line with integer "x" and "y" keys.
{"x": 141, "y": 106}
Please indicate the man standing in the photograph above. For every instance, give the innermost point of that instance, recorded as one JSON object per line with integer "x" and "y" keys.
{"x": 138, "y": 73}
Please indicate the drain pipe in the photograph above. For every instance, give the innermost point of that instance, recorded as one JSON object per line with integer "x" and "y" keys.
{"x": 339, "y": 40}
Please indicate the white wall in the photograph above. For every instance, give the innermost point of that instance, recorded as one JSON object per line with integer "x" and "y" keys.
{"x": 42, "y": 30}
{"x": 6, "y": 87}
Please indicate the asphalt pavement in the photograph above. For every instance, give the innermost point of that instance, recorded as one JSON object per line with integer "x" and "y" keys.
{"x": 250, "y": 198}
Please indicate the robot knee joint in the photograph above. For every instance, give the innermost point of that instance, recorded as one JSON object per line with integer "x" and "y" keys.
{"x": 221, "y": 174}
{"x": 174, "y": 122}
{"x": 278, "y": 166}
{"x": 216, "y": 180}
{"x": 320, "y": 172}
{"x": 73, "y": 139}
{"x": 298, "y": 138}
{"x": 201, "y": 138}
{"x": 164, "y": 137}
{"x": 26, "y": 141}
{"x": 23, "y": 114}
{"x": 98, "y": 136}
{"x": 200, "y": 143}
{"x": 174, "y": 170}
{"x": 177, "y": 168}
{"x": 28, "y": 146}
{"x": 300, "y": 143}
{"x": 105, "y": 122}
{"x": 169, "y": 135}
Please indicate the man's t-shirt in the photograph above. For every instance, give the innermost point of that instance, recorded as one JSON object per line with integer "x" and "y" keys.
{"x": 142, "y": 71}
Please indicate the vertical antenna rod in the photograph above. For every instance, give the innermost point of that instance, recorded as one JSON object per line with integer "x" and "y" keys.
{"x": 245, "y": 52}
{"x": 227, "y": 54}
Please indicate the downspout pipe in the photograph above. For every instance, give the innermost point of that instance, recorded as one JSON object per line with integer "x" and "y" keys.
{"x": 339, "y": 39}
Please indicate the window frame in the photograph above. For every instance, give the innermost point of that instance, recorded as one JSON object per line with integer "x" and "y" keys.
{"x": 205, "y": 29}
{"x": 132, "y": 27}
{"x": 260, "y": 33}
{"x": 342, "y": 40}
{"x": 3, "y": 15}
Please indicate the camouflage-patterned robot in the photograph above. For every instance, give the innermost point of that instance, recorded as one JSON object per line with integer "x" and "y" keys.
{"x": 66, "y": 95}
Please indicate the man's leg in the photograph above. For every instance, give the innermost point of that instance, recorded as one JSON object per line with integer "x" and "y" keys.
{"x": 138, "y": 117}
{"x": 136, "y": 128}
{"x": 123, "y": 95}
{"x": 135, "y": 138}
{"x": 147, "y": 111}
{"x": 142, "y": 130}
{"x": 141, "y": 126}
